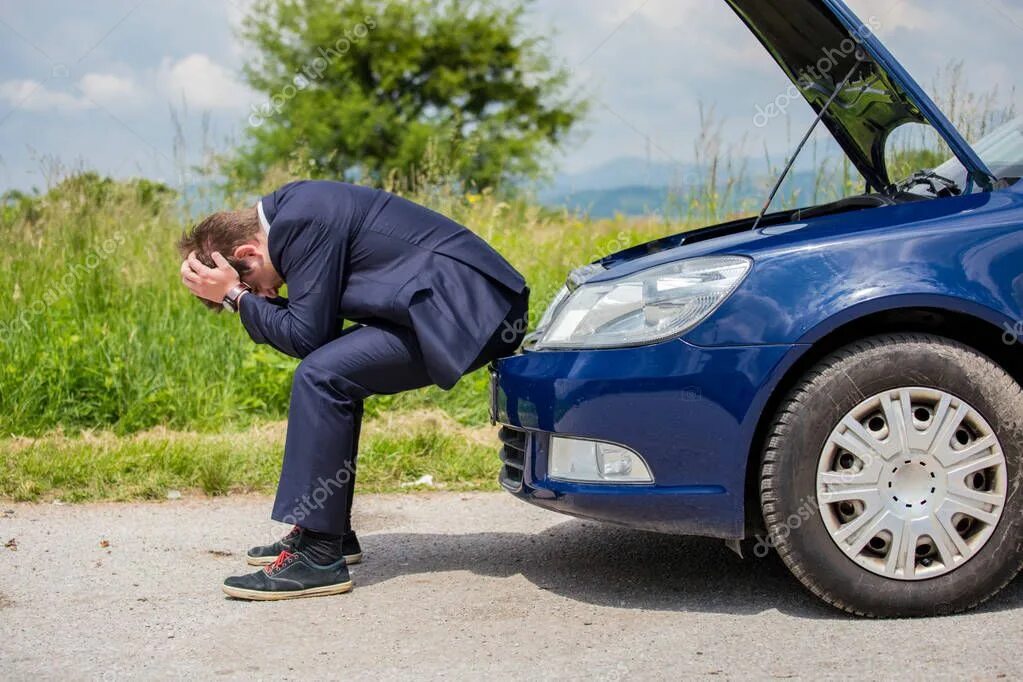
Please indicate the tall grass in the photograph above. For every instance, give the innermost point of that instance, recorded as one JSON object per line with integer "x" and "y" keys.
{"x": 96, "y": 330}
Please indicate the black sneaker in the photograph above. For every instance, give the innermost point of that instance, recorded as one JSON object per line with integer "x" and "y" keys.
{"x": 261, "y": 556}
{"x": 291, "y": 575}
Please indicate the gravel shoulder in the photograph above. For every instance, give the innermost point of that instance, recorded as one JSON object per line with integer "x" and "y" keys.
{"x": 453, "y": 585}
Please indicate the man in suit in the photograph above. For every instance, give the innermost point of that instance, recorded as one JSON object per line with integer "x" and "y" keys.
{"x": 430, "y": 300}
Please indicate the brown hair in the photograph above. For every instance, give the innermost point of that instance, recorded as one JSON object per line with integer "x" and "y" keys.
{"x": 221, "y": 232}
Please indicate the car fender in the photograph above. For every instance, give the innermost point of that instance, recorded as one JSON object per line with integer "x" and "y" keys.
{"x": 800, "y": 294}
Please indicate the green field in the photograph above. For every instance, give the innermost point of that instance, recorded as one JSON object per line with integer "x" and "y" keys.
{"x": 114, "y": 383}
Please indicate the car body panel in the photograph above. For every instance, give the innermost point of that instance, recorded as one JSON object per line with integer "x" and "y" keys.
{"x": 783, "y": 234}
{"x": 963, "y": 257}
{"x": 931, "y": 112}
{"x": 645, "y": 401}
{"x": 960, "y": 253}
{"x": 817, "y": 43}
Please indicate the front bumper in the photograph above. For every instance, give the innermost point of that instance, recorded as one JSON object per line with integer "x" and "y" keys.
{"x": 691, "y": 412}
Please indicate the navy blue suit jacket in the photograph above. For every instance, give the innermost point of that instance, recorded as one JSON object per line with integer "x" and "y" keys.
{"x": 355, "y": 253}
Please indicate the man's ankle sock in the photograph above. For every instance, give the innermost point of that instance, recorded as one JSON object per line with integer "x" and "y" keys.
{"x": 321, "y": 548}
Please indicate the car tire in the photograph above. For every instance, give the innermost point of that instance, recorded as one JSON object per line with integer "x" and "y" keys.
{"x": 804, "y": 470}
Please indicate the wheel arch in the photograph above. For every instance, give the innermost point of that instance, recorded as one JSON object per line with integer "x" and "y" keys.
{"x": 975, "y": 326}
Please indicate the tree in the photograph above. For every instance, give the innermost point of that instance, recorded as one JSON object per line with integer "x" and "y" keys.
{"x": 371, "y": 88}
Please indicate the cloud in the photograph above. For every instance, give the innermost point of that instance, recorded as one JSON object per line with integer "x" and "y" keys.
{"x": 900, "y": 15}
{"x": 30, "y": 95}
{"x": 203, "y": 83}
{"x": 91, "y": 90}
{"x": 107, "y": 88}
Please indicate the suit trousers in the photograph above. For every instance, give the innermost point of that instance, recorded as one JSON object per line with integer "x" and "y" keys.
{"x": 324, "y": 418}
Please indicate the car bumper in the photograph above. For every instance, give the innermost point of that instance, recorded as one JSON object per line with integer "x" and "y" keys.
{"x": 690, "y": 412}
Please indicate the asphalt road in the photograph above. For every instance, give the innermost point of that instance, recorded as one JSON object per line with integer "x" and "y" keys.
{"x": 453, "y": 585}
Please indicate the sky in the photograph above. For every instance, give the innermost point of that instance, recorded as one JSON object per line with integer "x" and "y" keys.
{"x": 143, "y": 88}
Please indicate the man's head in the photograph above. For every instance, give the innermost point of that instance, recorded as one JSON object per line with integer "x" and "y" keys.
{"x": 239, "y": 237}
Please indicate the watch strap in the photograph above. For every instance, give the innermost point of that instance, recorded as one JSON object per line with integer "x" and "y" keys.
{"x": 234, "y": 293}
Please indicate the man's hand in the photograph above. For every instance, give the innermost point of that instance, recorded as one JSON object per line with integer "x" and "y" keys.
{"x": 211, "y": 284}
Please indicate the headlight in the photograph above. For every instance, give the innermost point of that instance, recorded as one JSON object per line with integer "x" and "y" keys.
{"x": 644, "y": 307}
{"x": 548, "y": 315}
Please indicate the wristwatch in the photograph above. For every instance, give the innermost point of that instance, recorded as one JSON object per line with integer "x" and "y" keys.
{"x": 230, "y": 301}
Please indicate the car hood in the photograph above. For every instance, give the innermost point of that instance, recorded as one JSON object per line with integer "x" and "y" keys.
{"x": 817, "y": 43}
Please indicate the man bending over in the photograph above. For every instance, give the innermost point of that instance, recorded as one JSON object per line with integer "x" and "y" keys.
{"x": 430, "y": 300}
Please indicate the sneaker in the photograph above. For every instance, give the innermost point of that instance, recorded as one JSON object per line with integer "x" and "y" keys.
{"x": 261, "y": 556}
{"x": 291, "y": 575}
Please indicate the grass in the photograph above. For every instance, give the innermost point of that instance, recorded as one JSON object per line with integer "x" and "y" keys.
{"x": 96, "y": 331}
{"x": 396, "y": 451}
{"x": 115, "y": 384}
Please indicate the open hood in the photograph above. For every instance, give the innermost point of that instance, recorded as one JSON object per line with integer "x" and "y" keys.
{"x": 817, "y": 43}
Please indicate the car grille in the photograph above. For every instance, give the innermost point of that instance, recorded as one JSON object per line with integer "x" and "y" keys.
{"x": 513, "y": 457}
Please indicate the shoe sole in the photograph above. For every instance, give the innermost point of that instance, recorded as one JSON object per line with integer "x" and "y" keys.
{"x": 256, "y": 595}
{"x": 350, "y": 559}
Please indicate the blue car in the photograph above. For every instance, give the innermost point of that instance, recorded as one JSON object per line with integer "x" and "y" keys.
{"x": 838, "y": 383}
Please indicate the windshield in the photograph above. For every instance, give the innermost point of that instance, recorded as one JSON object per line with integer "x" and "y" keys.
{"x": 1001, "y": 150}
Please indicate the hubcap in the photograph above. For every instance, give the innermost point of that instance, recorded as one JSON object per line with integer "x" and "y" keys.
{"x": 911, "y": 483}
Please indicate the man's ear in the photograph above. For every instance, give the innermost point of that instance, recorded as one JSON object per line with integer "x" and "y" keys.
{"x": 246, "y": 251}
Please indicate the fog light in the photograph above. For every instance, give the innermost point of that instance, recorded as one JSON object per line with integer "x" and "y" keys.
{"x": 573, "y": 459}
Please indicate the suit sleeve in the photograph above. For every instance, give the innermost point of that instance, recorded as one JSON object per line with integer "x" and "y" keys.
{"x": 307, "y": 319}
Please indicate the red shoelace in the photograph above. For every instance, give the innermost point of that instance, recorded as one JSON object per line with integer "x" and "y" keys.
{"x": 278, "y": 562}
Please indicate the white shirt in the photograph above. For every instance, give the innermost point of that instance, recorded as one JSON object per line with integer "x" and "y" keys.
{"x": 262, "y": 217}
